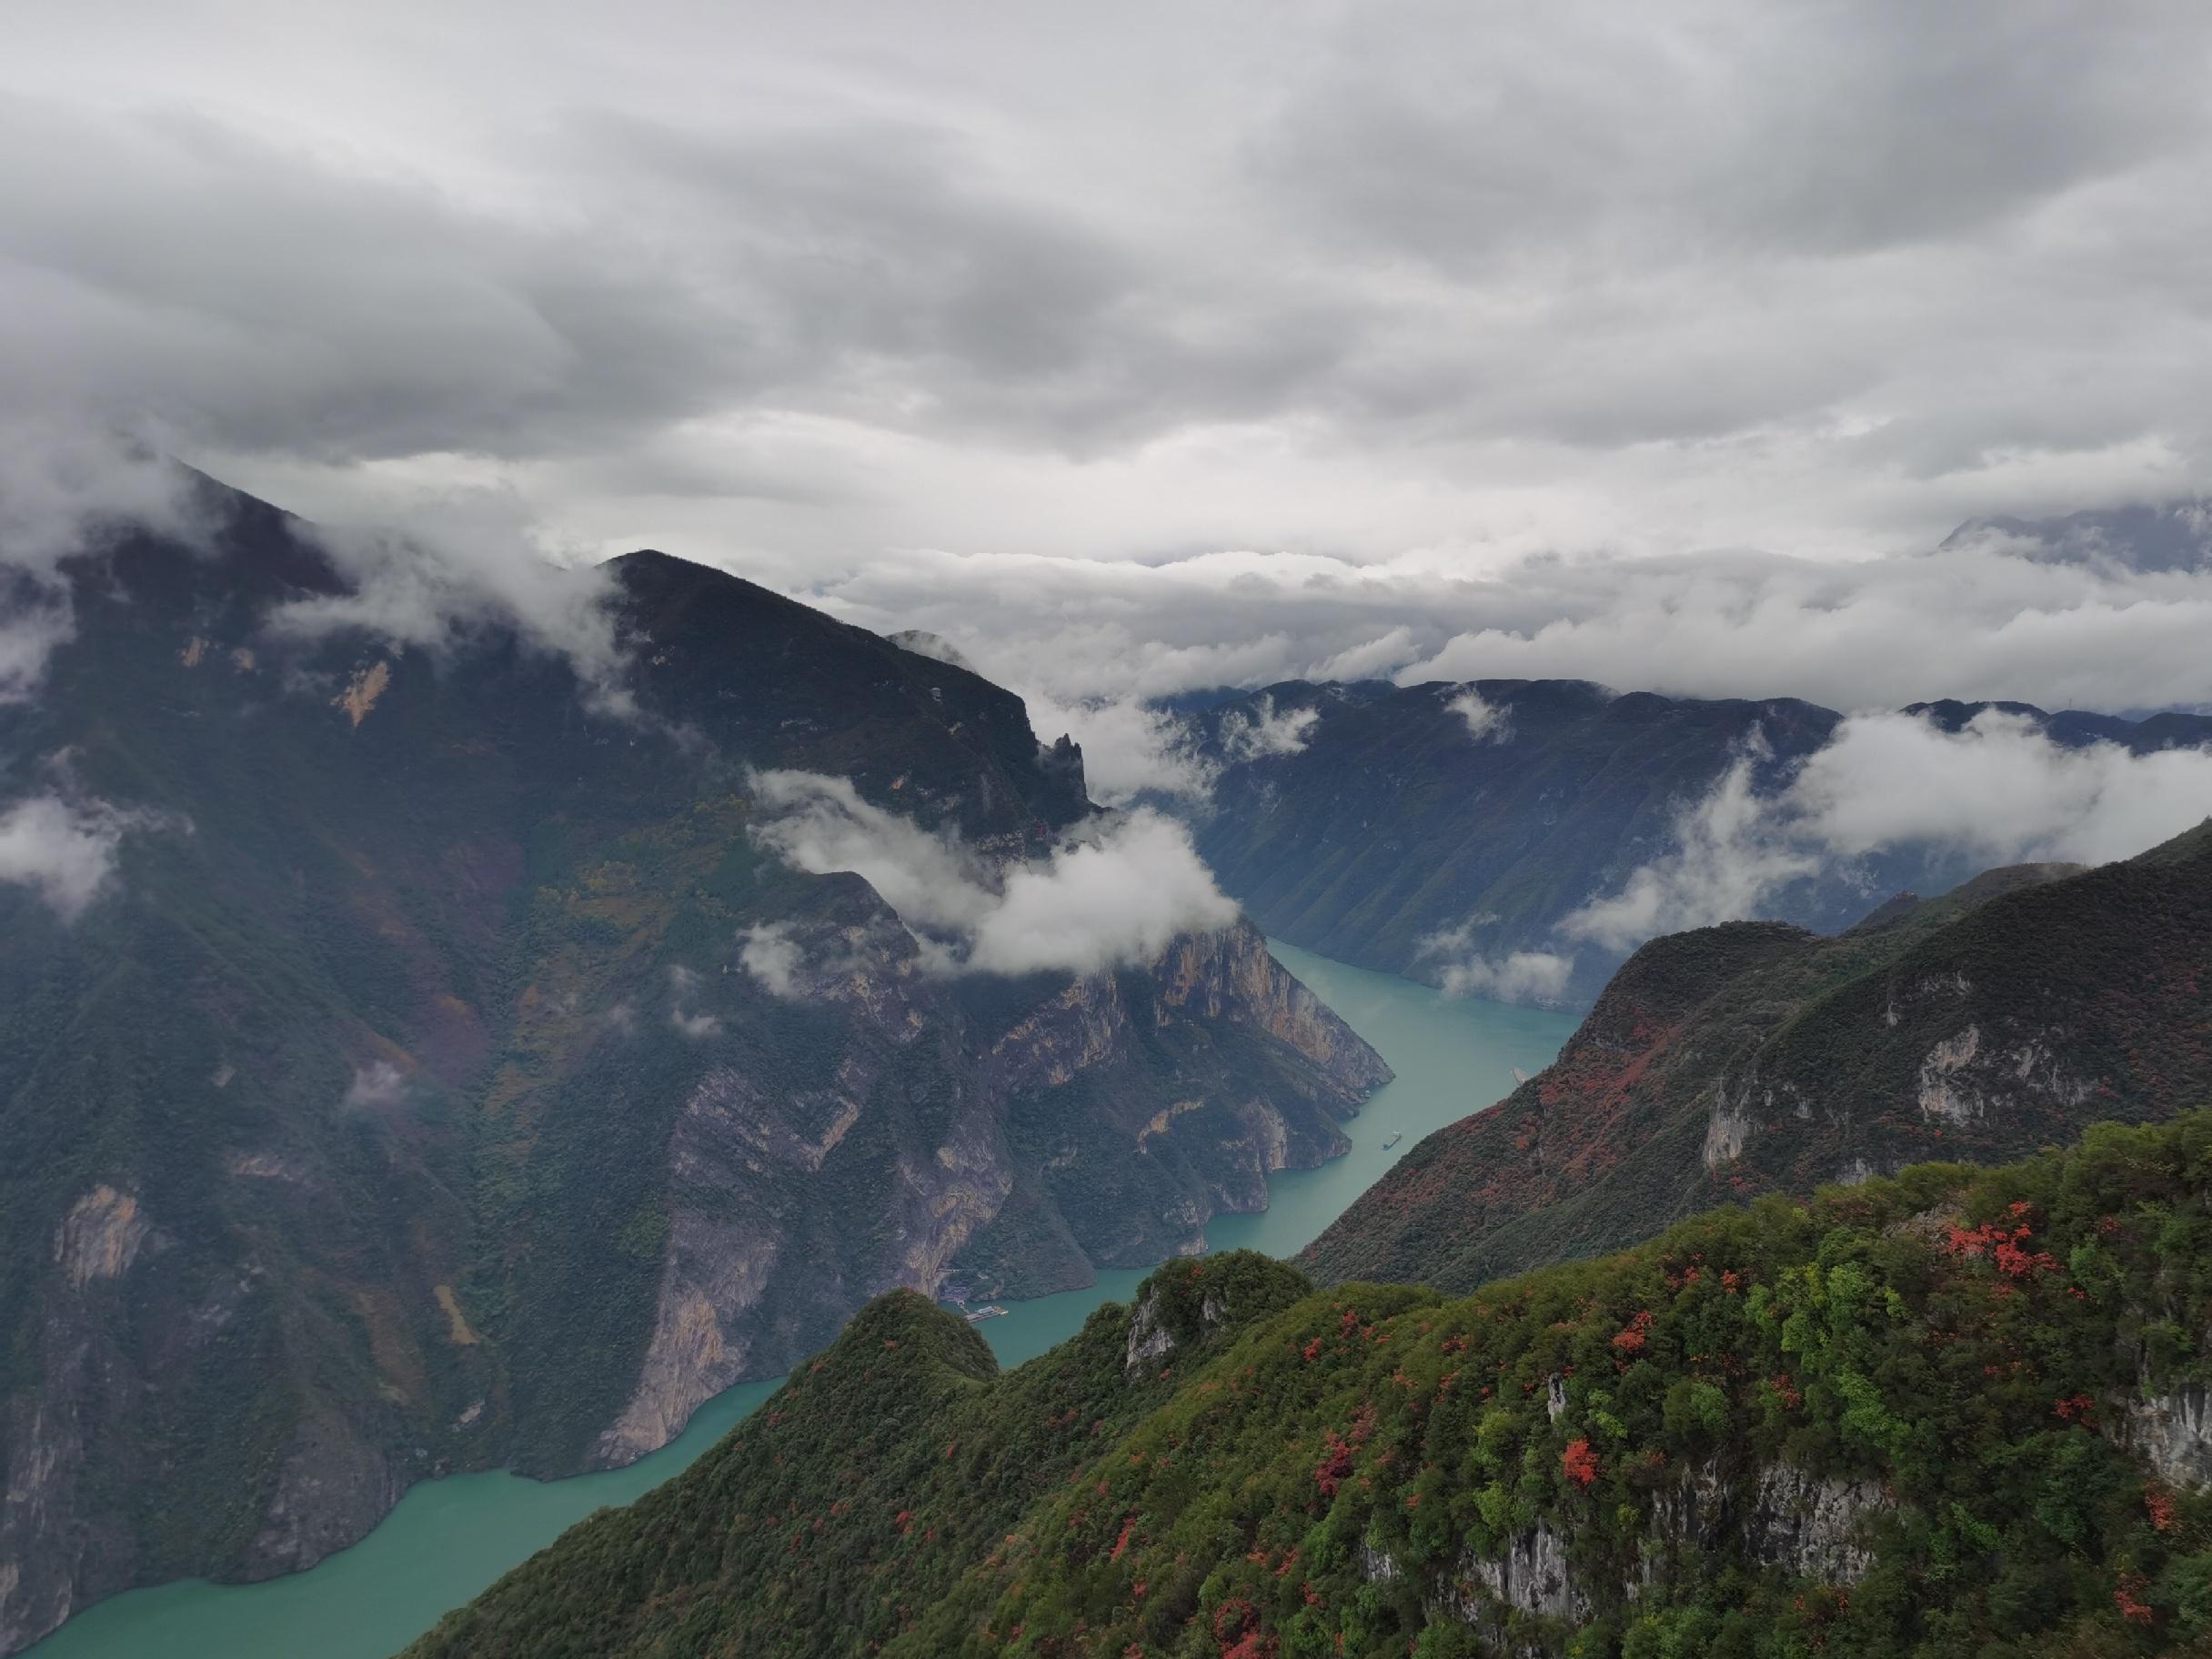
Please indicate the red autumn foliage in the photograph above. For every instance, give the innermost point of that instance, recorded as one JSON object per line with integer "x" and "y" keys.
{"x": 1631, "y": 1337}
{"x": 2159, "y": 1507}
{"x": 2128, "y": 1596}
{"x": 1334, "y": 1465}
{"x": 2005, "y": 1246}
{"x": 1579, "y": 1461}
{"x": 1120, "y": 1541}
{"x": 2074, "y": 1408}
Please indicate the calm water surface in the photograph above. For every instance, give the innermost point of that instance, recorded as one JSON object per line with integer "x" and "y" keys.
{"x": 449, "y": 1538}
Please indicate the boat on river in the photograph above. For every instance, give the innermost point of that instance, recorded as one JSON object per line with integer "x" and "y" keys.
{"x": 1393, "y": 1141}
{"x": 990, "y": 1310}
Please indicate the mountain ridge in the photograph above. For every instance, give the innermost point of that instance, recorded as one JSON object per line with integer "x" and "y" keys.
{"x": 408, "y": 1099}
{"x": 1754, "y": 1057}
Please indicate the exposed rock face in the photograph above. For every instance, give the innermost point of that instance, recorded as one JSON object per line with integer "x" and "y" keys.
{"x": 741, "y": 1295}
{"x": 100, "y": 1236}
{"x": 1939, "y": 1094}
{"x": 1533, "y": 1576}
{"x": 2174, "y": 1432}
{"x": 1813, "y": 1526}
{"x": 335, "y": 1483}
{"x": 1151, "y": 1340}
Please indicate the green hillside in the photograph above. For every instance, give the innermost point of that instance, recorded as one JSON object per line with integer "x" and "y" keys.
{"x": 1953, "y": 1411}
{"x": 1755, "y": 1057}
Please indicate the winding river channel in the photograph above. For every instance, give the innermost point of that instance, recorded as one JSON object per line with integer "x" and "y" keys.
{"x": 449, "y": 1538}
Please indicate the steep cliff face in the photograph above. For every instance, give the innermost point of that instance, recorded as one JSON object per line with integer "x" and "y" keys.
{"x": 763, "y": 1257}
{"x": 417, "y": 1096}
{"x": 1926, "y": 1414}
{"x": 1757, "y": 1057}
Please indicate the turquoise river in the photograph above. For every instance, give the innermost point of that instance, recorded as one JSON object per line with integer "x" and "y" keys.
{"x": 449, "y": 1538}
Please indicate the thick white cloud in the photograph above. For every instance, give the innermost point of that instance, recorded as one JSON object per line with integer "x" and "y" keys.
{"x": 1486, "y": 722}
{"x": 1398, "y": 296}
{"x": 1463, "y": 968}
{"x": 768, "y": 952}
{"x": 1266, "y": 730}
{"x": 1116, "y": 901}
{"x": 65, "y": 851}
{"x": 1114, "y": 897}
{"x": 1431, "y": 339}
{"x": 1734, "y": 851}
{"x": 1998, "y": 792}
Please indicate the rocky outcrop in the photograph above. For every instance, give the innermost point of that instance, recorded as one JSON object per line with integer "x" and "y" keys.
{"x": 1532, "y": 1576}
{"x": 1813, "y": 1526}
{"x": 752, "y": 1275}
{"x": 1941, "y": 1094}
{"x": 100, "y": 1236}
{"x": 2173, "y": 1433}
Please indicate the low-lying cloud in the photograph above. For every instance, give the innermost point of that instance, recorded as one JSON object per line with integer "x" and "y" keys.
{"x": 768, "y": 952}
{"x": 683, "y": 993}
{"x": 453, "y": 566}
{"x": 1463, "y": 970}
{"x": 1265, "y": 731}
{"x": 65, "y": 851}
{"x": 1486, "y": 722}
{"x": 1115, "y": 896}
{"x": 1998, "y": 791}
{"x": 67, "y": 491}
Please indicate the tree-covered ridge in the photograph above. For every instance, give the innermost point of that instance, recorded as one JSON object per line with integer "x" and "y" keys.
{"x": 1953, "y": 1411}
{"x": 1753, "y": 1056}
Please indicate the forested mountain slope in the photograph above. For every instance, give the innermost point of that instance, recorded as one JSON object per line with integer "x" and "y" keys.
{"x": 1755, "y": 1056}
{"x": 451, "y": 1077}
{"x": 1953, "y": 1411}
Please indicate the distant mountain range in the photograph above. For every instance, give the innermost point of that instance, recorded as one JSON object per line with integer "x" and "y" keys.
{"x": 2171, "y": 535}
{"x": 1757, "y": 1057}
{"x": 1957, "y": 1411}
{"x": 1399, "y": 827}
{"x": 451, "y": 1075}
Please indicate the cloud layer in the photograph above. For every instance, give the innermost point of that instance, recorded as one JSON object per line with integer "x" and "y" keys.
{"x": 1997, "y": 792}
{"x": 1654, "y": 345}
{"x": 1115, "y": 898}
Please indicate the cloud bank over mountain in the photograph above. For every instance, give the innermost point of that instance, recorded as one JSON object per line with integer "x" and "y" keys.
{"x": 1113, "y": 898}
{"x": 1657, "y": 346}
{"x": 1998, "y": 792}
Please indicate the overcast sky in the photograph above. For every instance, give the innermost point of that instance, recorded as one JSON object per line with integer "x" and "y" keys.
{"x": 1144, "y": 345}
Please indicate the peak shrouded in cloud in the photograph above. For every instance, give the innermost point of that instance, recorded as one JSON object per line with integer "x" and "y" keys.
{"x": 455, "y": 566}
{"x": 68, "y": 490}
{"x": 1114, "y": 897}
{"x": 1651, "y": 345}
